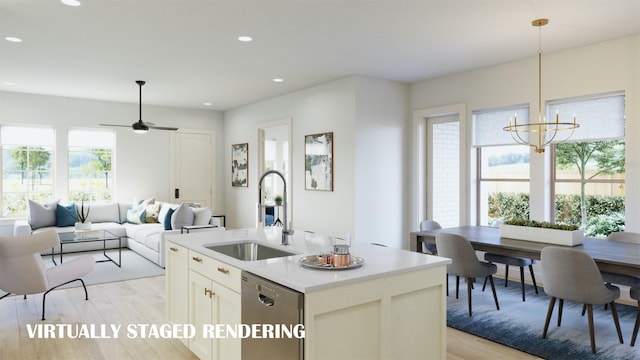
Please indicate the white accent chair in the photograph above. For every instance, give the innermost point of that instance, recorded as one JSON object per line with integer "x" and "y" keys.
{"x": 571, "y": 274}
{"x": 23, "y": 272}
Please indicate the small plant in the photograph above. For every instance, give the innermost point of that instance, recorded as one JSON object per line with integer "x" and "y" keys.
{"x": 278, "y": 199}
{"x": 541, "y": 224}
{"x": 81, "y": 214}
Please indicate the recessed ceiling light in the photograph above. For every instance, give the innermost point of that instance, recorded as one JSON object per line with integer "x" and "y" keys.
{"x": 13, "y": 39}
{"x": 245, "y": 38}
{"x": 207, "y": 104}
{"x": 71, "y": 2}
{"x": 9, "y": 83}
{"x": 278, "y": 80}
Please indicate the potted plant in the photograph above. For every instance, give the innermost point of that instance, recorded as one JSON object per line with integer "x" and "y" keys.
{"x": 546, "y": 232}
{"x": 82, "y": 214}
{"x": 278, "y": 200}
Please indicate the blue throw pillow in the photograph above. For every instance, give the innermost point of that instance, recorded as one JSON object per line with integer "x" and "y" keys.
{"x": 66, "y": 215}
{"x": 167, "y": 219}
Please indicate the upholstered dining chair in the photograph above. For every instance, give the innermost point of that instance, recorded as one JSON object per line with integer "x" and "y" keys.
{"x": 622, "y": 279}
{"x": 23, "y": 272}
{"x": 465, "y": 263}
{"x": 512, "y": 261}
{"x": 634, "y": 292}
{"x": 571, "y": 274}
{"x": 426, "y": 225}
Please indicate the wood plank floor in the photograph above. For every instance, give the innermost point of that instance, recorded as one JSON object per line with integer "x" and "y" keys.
{"x": 140, "y": 301}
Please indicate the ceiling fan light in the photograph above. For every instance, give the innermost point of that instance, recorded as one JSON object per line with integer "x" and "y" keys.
{"x": 140, "y": 128}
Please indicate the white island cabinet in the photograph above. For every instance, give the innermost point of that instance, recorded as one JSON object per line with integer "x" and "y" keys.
{"x": 391, "y": 307}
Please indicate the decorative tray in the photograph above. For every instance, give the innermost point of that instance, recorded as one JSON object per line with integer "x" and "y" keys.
{"x": 311, "y": 261}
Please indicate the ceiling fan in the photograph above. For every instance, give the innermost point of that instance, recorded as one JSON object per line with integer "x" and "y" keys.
{"x": 141, "y": 127}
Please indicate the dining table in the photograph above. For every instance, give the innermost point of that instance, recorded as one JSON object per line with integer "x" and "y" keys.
{"x": 610, "y": 256}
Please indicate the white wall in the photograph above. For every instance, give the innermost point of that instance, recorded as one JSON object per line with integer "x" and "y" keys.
{"x": 361, "y": 113}
{"x": 142, "y": 161}
{"x": 609, "y": 66}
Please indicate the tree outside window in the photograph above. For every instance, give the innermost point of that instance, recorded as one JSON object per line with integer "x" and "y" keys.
{"x": 90, "y": 165}
{"x": 27, "y": 167}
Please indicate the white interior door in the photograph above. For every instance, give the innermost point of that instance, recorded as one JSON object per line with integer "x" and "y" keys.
{"x": 192, "y": 167}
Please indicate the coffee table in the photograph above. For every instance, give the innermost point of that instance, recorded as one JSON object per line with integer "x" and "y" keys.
{"x": 90, "y": 236}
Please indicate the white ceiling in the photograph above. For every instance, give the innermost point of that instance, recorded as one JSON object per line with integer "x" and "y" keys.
{"x": 188, "y": 52}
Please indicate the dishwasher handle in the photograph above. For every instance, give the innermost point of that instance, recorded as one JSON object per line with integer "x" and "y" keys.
{"x": 265, "y": 300}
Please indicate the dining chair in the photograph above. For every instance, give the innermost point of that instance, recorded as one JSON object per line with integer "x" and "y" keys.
{"x": 520, "y": 262}
{"x": 634, "y": 292}
{"x": 622, "y": 279}
{"x": 571, "y": 274}
{"x": 465, "y": 263}
{"x": 426, "y": 225}
{"x": 23, "y": 272}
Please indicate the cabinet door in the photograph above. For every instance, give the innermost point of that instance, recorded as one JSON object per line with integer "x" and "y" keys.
{"x": 227, "y": 305}
{"x": 177, "y": 284}
{"x": 200, "y": 313}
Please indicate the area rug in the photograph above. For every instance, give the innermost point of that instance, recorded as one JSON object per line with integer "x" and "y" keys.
{"x": 519, "y": 324}
{"x": 134, "y": 266}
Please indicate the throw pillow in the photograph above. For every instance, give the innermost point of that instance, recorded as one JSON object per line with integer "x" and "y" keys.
{"x": 152, "y": 211}
{"x": 66, "y": 215}
{"x": 202, "y": 216}
{"x": 183, "y": 216}
{"x": 42, "y": 215}
{"x": 164, "y": 208}
{"x": 136, "y": 216}
{"x": 141, "y": 204}
{"x": 167, "y": 219}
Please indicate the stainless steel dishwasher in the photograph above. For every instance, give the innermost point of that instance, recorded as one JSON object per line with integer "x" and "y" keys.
{"x": 265, "y": 302}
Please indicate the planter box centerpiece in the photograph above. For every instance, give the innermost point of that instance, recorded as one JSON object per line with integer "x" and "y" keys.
{"x": 557, "y": 234}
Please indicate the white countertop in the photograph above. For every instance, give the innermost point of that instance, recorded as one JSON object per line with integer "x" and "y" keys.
{"x": 379, "y": 261}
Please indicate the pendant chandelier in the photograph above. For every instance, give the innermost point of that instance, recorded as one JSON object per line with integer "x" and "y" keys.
{"x": 541, "y": 133}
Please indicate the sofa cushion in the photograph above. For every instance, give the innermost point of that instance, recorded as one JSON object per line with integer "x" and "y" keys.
{"x": 152, "y": 211}
{"x": 141, "y": 204}
{"x": 162, "y": 215}
{"x": 104, "y": 213}
{"x": 166, "y": 223}
{"x": 66, "y": 215}
{"x": 145, "y": 234}
{"x": 42, "y": 215}
{"x": 136, "y": 216}
{"x": 202, "y": 216}
{"x": 182, "y": 216}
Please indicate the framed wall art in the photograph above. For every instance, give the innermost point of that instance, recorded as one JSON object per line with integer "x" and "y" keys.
{"x": 318, "y": 161}
{"x": 240, "y": 165}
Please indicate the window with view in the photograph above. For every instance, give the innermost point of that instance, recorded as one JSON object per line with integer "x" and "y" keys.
{"x": 503, "y": 168}
{"x": 27, "y": 167}
{"x": 91, "y": 165}
{"x": 589, "y": 172}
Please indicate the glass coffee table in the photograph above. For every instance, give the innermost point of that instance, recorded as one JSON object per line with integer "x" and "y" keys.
{"x": 90, "y": 236}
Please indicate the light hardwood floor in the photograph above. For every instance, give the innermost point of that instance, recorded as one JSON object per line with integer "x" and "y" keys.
{"x": 140, "y": 301}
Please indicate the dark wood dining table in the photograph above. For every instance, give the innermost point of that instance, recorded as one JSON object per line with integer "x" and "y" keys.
{"x": 611, "y": 256}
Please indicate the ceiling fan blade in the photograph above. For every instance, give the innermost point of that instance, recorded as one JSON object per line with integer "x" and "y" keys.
{"x": 162, "y": 128}
{"x": 116, "y": 125}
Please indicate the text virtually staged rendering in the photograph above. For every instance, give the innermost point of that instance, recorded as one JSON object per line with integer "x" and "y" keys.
{"x": 371, "y": 180}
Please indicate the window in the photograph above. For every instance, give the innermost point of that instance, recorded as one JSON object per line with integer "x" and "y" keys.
{"x": 27, "y": 167}
{"x": 502, "y": 167}
{"x": 589, "y": 172}
{"x": 91, "y": 165}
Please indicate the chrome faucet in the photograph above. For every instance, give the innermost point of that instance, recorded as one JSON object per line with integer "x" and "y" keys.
{"x": 285, "y": 232}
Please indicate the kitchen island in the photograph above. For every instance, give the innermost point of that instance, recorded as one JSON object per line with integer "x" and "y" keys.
{"x": 393, "y": 306}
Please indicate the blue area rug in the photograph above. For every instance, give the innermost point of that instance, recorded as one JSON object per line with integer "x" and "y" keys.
{"x": 519, "y": 324}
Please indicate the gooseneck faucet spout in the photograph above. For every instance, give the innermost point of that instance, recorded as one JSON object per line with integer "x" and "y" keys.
{"x": 285, "y": 232}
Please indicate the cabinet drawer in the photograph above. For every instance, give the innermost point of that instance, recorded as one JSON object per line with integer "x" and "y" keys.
{"x": 217, "y": 271}
{"x": 177, "y": 250}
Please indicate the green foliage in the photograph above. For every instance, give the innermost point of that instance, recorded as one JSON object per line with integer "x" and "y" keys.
{"x": 603, "y": 225}
{"x": 508, "y": 205}
{"x": 541, "y": 224}
{"x": 81, "y": 213}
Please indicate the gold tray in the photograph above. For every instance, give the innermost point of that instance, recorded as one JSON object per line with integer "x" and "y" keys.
{"x": 311, "y": 261}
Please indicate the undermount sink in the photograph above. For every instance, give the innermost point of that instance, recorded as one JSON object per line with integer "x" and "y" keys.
{"x": 249, "y": 251}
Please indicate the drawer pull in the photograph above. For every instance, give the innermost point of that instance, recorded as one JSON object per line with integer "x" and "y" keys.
{"x": 173, "y": 249}
{"x": 223, "y": 270}
{"x": 197, "y": 259}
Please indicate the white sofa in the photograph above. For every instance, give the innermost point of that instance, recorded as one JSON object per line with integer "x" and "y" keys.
{"x": 146, "y": 239}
